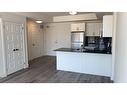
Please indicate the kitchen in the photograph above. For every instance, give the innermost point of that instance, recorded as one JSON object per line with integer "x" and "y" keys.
{"x": 65, "y": 45}
{"x": 95, "y": 44}
{"x": 91, "y": 51}
{"x": 39, "y": 55}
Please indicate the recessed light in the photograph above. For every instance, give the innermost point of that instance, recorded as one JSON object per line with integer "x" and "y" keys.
{"x": 73, "y": 13}
{"x": 39, "y": 21}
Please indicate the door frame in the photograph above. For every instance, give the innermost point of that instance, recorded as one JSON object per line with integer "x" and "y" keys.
{"x": 4, "y": 73}
{"x": 25, "y": 52}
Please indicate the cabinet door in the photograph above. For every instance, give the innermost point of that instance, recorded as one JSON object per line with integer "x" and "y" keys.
{"x": 89, "y": 29}
{"x": 107, "y": 25}
{"x": 78, "y": 27}
{"x": 93, "y": 29}
{"x": 99, "y": 65}
{"x": 69, "y": 61}
{"x": 97, "y": 29}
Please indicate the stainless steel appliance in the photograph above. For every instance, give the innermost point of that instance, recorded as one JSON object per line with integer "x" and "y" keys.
{"x": 77, "y": 40}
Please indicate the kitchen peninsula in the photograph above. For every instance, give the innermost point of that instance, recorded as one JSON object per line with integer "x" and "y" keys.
{"x": 91, "y": 48}
{"x": 88, "y": 62}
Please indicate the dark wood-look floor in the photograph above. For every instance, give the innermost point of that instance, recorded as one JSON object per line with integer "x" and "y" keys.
{"x": 43, "y": 70}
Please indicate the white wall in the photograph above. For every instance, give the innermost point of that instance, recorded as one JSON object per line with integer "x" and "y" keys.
{"x": 1, "y": 61}
{"x": 113, "y": 44}
{"x": 120, "y": 73}
{"x": 57, "y": 35}
{"x": 35, "y": 39}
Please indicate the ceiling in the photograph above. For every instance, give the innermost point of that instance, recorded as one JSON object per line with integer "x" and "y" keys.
{"x": 47, "y": 16}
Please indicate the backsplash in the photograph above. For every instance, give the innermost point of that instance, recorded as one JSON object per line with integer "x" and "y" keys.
{"x": 98, "y": 43}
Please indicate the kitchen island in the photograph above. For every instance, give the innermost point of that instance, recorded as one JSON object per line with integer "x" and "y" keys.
{"x": 88, "y": 62}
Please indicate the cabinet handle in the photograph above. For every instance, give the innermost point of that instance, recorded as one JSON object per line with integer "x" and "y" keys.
{"x": 101, "y": 33}
{"x": 93, "y": 33}
{"x": 33, "y": 44}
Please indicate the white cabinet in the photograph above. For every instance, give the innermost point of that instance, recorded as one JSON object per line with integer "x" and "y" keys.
{"x": 93, "y": 29}
{"x": 107, "y": 25}
{"x": 78, "y": 27}
{"x": 88, "y": 63}
{"x": 68, "y": 61}
{"x": 99, "y": 65}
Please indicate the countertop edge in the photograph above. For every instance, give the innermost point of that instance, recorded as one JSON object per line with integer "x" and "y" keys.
{"x": 71, "y": 50}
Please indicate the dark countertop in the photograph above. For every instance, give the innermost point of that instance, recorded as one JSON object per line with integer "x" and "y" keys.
{"x": 82, "y": 51}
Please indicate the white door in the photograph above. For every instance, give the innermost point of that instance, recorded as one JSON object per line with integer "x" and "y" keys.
{"x": 36, "y": 40}
{"x": 14, "y": 34}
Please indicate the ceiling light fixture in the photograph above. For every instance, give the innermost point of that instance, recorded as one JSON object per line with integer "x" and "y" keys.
{"x": 39, "y": 21}
{"x": 73, "y": 13}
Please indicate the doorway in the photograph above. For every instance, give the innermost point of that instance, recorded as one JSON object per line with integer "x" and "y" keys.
{"x": 14, "y": 51}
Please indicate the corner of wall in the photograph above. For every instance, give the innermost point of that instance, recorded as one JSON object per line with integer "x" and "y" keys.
{"x": 113, "y": 44}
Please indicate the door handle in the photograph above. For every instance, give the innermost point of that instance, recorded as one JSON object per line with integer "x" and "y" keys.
{"x": 15, "y": 49}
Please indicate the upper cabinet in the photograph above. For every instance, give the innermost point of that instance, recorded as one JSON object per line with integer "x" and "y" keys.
{"x": 107, "y": 25}
{"x": 93, "y": 29}
{"x": 78, "y": 27}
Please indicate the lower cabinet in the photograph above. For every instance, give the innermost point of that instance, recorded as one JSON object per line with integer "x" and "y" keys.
{"x": 97, "y": 64}
{"x": 88, "y": 63}
{"x": 69, "y": 62}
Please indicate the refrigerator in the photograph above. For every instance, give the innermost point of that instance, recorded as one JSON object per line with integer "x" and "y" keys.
{"x": 77, "y": 40}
